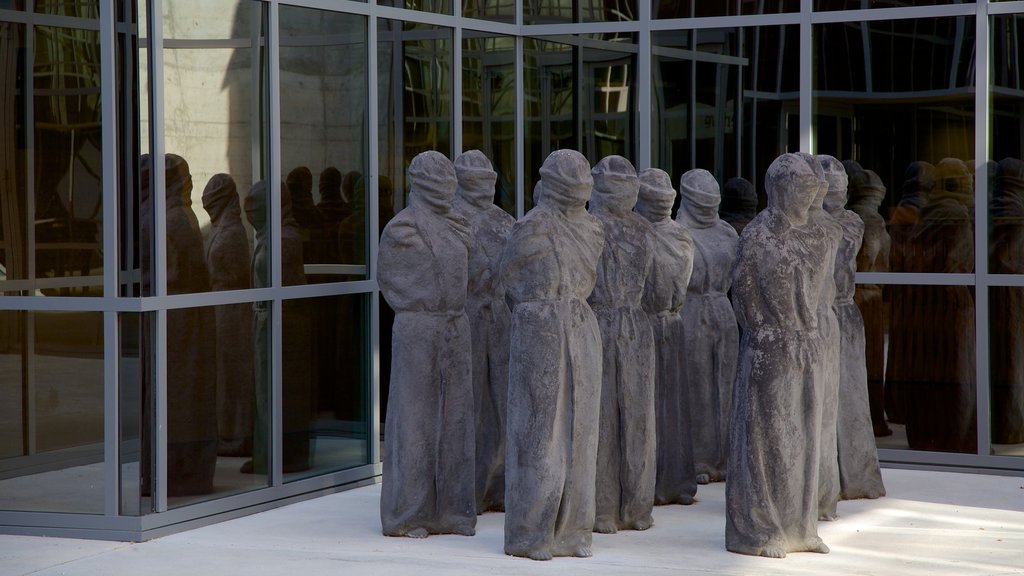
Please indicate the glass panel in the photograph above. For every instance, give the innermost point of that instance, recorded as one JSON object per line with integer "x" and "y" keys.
{"x": 13, "y": 143}
{"x": 896, "y": 98}
{"x": 560, "y": 11}
{"x": 67, "y": 152}
{"x": 1006, "y": 369}
{"x": 609, "y": 97}
{"x": 826, "y": 5}
{"x": 727, "y": 101}
{"x": 698, "y": 8}
{"x": 130, "y": 365}
{"x": 325, "y": 370}
{"x": 216, "y": 357}
{"x": 489, "y": 108}
{"x": 414, "y": 97}
{"x": 51, "y": 370}
{"x": 1006, "y": 169}
{"x": 549, "y": 93}
{"x": 495, "y": 10}
{"x": 323, "y": 131}
{"x": 12, "y": 4}
{"x": 929, "y": 394}
{"x": 74, "y": 8}
{"x": 214, "y": 136}
{"x": 434, "y": 6}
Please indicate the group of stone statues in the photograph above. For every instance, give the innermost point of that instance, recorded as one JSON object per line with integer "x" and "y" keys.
{"x": 583, "y": 364}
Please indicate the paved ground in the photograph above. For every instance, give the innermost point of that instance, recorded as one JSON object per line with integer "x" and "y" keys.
{"x": 930, "y": 524}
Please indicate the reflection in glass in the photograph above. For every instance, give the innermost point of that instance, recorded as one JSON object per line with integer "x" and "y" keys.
{"x": 489, "y": 107}
{"x": 325, "y": 371}
{"x": 930, "y": 368}
{"x": 13, "y": 215}
{"x": 897, "y": 98}
{"x": 129, "y": 387}
{"x": 561, "y": 11}
{"x": 434, "y": 6}
{"x": 690, "y": 8}
{"x": 549, "y": 94}
{"x": 494, "y": 10}
{"x": 51, "y": 421}
{"x": 826, "y": 5}
{"x": 73, "y": 8}
{"x": 724, "y": 100}
{"x": 1006, "y": 368}
{"x": 323, "y": 131}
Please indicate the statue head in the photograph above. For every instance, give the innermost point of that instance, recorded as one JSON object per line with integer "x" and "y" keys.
{"x": 793, "y": 185}
{"x": 656, "y": 196}
{"x": 220, "y": 198}
{"x": 566, "y": 179}
{"x": 739, "y": 199}
{"x": 432, "y": 181}
{"x": 699, "y": 197}
{"x": 616, "y": 185}
{"x": 835, "y": 175}
{"x": 954, "y": 181}
{"x": 475, "y": 177}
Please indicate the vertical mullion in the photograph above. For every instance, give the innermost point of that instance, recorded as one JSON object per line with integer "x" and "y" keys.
{"x": 981, "y": 219}
{"x": 520, "y": 121}
{"x": 373, "y": 168}
{"x": 110, "y": 124}
{"x": 274, "y": 213}
{"x": 28, "y": 89}
{"x": 644, "y": 87}
{"x": 806, "y": 77}
{"x": 456, "y": 86}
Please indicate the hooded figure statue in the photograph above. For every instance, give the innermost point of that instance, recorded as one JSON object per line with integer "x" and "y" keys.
{"x": 711, "y": 338}
{"x": 549, "y": 267}
{"x": 664, "y": 295}
{"x": 490, "y": 320}
{"x": 429, "y": 449}
{"x": 227, "y": 258}
{"x": 859, "y": 475}
{"x": 626, "y": 454}
{"x": 775, "y": 426}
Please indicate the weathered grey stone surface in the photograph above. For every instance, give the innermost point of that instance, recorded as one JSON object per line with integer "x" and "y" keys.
{"x": 664, "y": 296}
{"x": 227, "y": 258}
{"x": 710, "y": 335}
{"x": 490, "y": 321}
{"x": 866, "y": 193}
{"x": 1007, "y": 304}
{"x": 429, "y": 447}
{"x": 831, "y": 234}
{"x": 626, "y": 455}
{"x": 549, "y": 268}
{"x": 859, "y": 475}
{"x": 774, "y": 444}
{"x": 739, "y": 203}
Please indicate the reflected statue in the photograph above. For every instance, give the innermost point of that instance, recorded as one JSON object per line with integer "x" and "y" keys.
{"x": 904, "y": 306}
{"x": 626, "y": 450}
{"x": 866, "y": 193}
{"x": 1007, "y": 304}
{"x": 549, "y": 267}
{"x": 428, "y": 441}
{"x": 490, "y": 320}
{"x": 227, "y": 258}
{"x": 774, "y": 445}
{"x": 739, "y": 203}
{"x": 939, "y": 367}
{"x": 710, "y": 334}
{"x": 311, "y": 222}
{"x": 664, "y": 297}
{"x": 191, "y": 359}
{"x": 859, "y": 475}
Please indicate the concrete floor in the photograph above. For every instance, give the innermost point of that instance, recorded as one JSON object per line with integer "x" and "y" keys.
{"x": 932, "y": 523}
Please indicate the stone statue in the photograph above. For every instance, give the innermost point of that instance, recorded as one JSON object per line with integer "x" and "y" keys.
{"x": 227, "y": 258}
{"x": 774, "y": 444}
{"x": 192, "y": 360}
{"x": 549, "y": 268}
{"x": 626, "y": 451}
{"x": 664, "y": 296}
{"x": 859, "y": 475}
{"x": 1007, "y": 304}
{"x": 739, "y": 203}
{"x": 490, "y": 320}
{"x": 423, "y": 274}
{"x": 710, "y": 336}
{"x": 866, "y": 193}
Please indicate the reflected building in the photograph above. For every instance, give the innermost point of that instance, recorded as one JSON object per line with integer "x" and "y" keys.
{"x": 101, "y": 300}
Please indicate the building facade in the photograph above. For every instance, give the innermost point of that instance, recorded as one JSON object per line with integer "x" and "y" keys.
{"x": 221, "y": 347}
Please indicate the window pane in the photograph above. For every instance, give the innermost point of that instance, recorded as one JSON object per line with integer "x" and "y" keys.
{"x": 690, "y": 8}
{"x": 326, "y": 376}
{"x": 561, "y": 11}
{"x": 929, "y": 392}
{"x": 323, "y": 131}
{"x": 902, "y": 112}
{"x": 489, "y": 108}
{"x": 51, "y": 372}
{"x": 1006, "y": 169}
{"x": 549, "y": 93}
{"x": 434, "y": 6}
{"x": 73, "y": 8}
{"x": 826, "y": 5}
{"x": 494, "y": 10}
{"x": 14, "y": 128}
